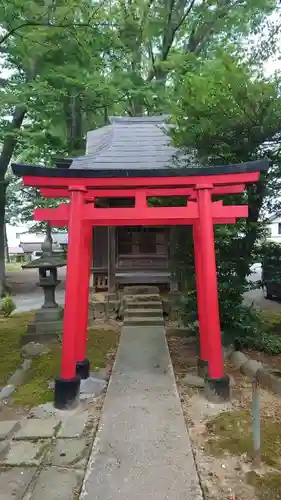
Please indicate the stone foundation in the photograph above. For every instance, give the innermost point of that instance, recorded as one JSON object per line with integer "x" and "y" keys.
{"x": 113, "y": 306}
{"x": 48, "y": 324}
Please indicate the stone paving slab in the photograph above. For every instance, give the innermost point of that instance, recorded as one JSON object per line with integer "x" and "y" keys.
{"x": 74, "y": 426}
{"x": 25, "y": 452}
{"x": 7, "y": 427}
{"x": 36, "y": 429}
{"x": 57, "y": 484}
{"x": 41, "y": 465}
{"x": 92, "y": 387}
{"x": 14, "y": 482}
{"x": 142, "y": 449}
{"x": 4, "y": 446}
{"x": 69, "y": 453}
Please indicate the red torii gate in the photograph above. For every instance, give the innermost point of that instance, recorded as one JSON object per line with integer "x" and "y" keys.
{"x": 83, "y": 187}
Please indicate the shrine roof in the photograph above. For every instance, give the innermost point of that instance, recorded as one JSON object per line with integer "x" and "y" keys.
{"x": 132, "y": 147}
{"x": 21, "y": 170}
{"x": 139, "y": 143}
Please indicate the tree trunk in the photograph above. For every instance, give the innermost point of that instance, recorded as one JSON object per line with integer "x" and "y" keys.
{"x": 3, "y": 286}
{"x": 74, "y": 125}
{"x": 6, "y": 243}
{"x": 8, "y": 149}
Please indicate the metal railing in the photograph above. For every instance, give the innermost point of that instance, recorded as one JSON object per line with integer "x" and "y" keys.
{"x": 260, "y": 377}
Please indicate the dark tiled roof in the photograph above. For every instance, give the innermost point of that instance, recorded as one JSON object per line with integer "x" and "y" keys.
{"x": 134, "y": 147}
{"x": 129, "y": 143}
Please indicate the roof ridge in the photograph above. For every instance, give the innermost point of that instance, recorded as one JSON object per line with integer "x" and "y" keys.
{"x": 152, "y": 119}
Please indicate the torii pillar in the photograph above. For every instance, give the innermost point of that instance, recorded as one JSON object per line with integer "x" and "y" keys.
{"x": 217, "y": 385}
{"x": 74, "y": 364}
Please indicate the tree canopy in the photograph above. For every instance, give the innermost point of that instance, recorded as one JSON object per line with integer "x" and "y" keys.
{"x": 67, "y": 65}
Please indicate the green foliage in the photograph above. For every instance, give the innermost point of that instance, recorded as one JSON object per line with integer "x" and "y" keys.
{"x": 270, "y": 255}
{"x": 72, "y": 64}
{"x": 238, "y": 321}
{"x": 232, "y": 108}
{"x": 233, "y": 115}
{"x": 7, "y": 306}
{"x": 265, "y": 342}
{"x": 265, "y": 336}
{"x": 228, "y": 112}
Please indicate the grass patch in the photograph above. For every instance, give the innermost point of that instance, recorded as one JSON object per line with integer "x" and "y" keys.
{"x": 35, "y": 390}
{"x": 11, "y": 330}
{"x": 232, "y": 432}
{"x": 271, "y": 322}
{"x": 268, "y": 486}
{"x": 14, "y": 266}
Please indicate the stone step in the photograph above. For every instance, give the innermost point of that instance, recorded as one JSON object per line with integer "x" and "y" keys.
{"x": 141, "y": 290}
{"x": 142, "y": 297}
{"x": 144, "y": 305}
{"x": 139, "y": 321}
{"x": 140, "y": 313}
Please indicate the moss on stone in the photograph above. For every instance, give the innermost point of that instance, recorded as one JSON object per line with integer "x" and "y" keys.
{"x": 232, "y": 432}
{"x": 35, "y": 389}
{"x": 267, "y": 486}
{"x": 11, "y": 330}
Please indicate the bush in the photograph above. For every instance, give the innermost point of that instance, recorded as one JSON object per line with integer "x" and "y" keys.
{"x": 268, "y": 343}
{"x": 7, "y": 306}
{"x": 237, "y": 320}
{"x": 270, "y": 256}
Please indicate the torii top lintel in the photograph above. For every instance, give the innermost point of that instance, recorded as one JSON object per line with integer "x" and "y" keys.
{"x": 133, "y": 183}
{"x": 225, "y": 175}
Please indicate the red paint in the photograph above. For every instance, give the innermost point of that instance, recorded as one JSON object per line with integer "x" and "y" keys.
{"x": 228, "y": 189}
{"x": 116, "y": 193}
{"x": 84, "y": 287}
{"x": 72, "y": 291}
{"x": 209, "y": 282}
{"x": 128, "y": 193}
{"x": 203, "y": 320}
{"x": 80, "y": 217}
{"x": 141, "y": 214}
{"x": 220, "y": 220}
{"x": 133, "y": 182}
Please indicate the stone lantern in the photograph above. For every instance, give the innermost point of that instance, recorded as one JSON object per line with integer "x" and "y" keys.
{"x": 47, "y": 324}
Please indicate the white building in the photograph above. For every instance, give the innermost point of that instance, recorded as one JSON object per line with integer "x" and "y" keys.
{"x": 27, "y": 242}
{"x": 274, "y": 228}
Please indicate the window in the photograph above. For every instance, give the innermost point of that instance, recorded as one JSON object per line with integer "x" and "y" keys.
{"x": 140, "y": 241}
{"x": 125, "y": 241}
{"x": 279, "y": 228}
{"x": 147, "y": 240}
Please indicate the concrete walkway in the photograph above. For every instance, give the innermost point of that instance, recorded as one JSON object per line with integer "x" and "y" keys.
{"x": 142, "y": 450}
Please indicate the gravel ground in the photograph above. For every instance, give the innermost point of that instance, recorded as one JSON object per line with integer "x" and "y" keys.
{"x": 24, "y": 282}
{"x": 222, "y": 478}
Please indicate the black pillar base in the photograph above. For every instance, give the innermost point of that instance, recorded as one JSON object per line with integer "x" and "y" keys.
{"x": 202, "y": 368}
{"x": 217, "y": 390}
{"x": 83, "y": 369}
{"x": 66, "y": 393}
